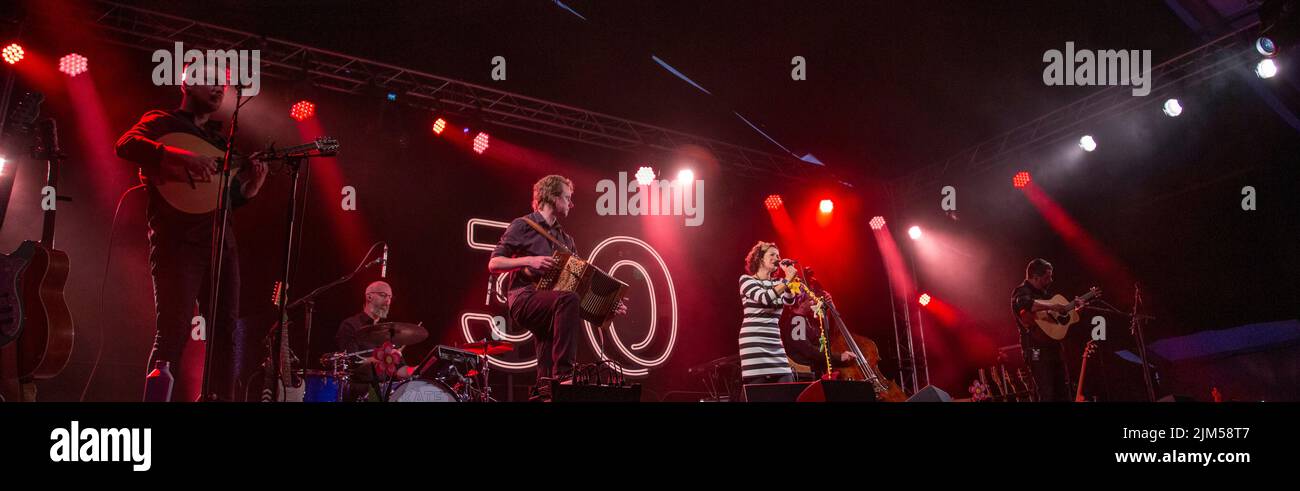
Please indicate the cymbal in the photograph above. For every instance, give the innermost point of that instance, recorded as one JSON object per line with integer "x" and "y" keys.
{"x": 402, "y": 333}
{"x": 489, "y": 348}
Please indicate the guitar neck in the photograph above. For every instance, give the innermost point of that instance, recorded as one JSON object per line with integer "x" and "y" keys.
{"x": 50, "y": 137}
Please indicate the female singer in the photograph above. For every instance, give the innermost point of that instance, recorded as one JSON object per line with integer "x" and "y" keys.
{"x": 762, "y": 356}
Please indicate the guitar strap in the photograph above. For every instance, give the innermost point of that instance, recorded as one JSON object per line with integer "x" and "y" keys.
{"x": 548, "y": 235}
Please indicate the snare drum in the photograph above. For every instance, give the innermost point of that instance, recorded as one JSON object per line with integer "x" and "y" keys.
{"x": 320, "y": 386}
{"x": 423, "y": 390}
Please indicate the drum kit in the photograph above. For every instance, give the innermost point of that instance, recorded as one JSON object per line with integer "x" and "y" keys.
{"x": 447, "y": 374}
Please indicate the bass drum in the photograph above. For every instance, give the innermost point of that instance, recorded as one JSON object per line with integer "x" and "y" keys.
{"x": 423, "y": 390}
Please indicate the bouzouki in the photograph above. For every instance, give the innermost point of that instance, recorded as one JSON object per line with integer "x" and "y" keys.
{"x": 1056, "y": 324}
{"x": 199, "y": 196}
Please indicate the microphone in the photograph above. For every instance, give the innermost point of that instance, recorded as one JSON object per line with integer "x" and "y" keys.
{"x": 789, "y": 262}
{"x": 383, "y": 263}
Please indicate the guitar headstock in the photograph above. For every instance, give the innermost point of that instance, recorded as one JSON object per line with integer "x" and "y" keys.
{"x": 23, "y": 117}
{"x": 327, "y": 145}
{"x": 275, "y": 293}
{"x": 1091, "y": 349}
{"x": 1093, "y": 294}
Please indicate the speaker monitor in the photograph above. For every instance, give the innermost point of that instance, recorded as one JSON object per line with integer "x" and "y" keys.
{"x": 930, "y": 393}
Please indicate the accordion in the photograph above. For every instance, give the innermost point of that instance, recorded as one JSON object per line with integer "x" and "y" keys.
{"x": 598, "y": 292}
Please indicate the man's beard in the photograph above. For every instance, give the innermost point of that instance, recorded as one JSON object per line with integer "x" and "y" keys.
{"x": 381, "y": 312}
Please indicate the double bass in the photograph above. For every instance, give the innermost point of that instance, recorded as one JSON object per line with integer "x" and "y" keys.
{"x": 866, "y": 365}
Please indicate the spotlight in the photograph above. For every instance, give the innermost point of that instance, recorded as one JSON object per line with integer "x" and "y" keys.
{"x": 925, "y": 299}
{"x": 877, "y": 222}
{"x": 480, "y": 142}
{"x": 773, "y": 202}
{"x": 2, "y": 165}
{"x": 685, "y": 176}
{"x": 1266, "y": 68}
{"x": 392, "y": 96}
{"x": 1021, "y": 180}
{"x": 914, "y": 232}
{"x": 439, "y": 125}
{"x": 1265, "y": 46}
{"x": 1173, "y": 108}
{"x": 73, "y": 64}
{"x": 645, "y": 175}
{"x": 302, "y": 110}
{"x": 827, "y": 206}
{"x": 1087, "y": 143}
{"x": 465, "y": 131}
{"x": 13, "y": 53}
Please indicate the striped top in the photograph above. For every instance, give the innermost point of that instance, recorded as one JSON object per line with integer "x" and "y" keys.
{"x": 761, "y": 352}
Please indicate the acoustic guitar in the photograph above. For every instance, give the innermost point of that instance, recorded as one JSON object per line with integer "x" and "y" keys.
{"x": 1088, "y": 352}
{"x": 45, "y": 344}
{"x": 1056, "y": 324}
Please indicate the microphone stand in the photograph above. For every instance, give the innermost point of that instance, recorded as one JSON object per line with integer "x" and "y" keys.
{"x": 294, "y": 162}
{"x": 309, "y": 300}
{"x": 1135, "y": 329}
{"x": 219, "y": 227}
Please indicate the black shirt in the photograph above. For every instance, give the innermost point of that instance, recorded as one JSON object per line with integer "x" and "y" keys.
{"x": 347, "y": 334}
{"x": 140, "y": 145}
{"x": 1022, "y": 300}
{"x": 520, "y": 240}
{"x": 349, "y": 342}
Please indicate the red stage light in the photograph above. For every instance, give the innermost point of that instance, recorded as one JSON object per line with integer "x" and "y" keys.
{"x": 925, "y": 299}
{"x": 302, "y": 110}
{"x": 481, "y": 142}
{"x": 1021, "y": 180}
{"x": 914, "y": 232}
{"x": 877, "y": 223}
{"x": 645, "y": 175}
{"x": 827, "y": 206}
{"x": 13, "y": 53}
{"x": 438, "y": 126}
{"x": 73, "y": 64}
{"x": 773, "y": 202}
{"x": 2, "y": 165}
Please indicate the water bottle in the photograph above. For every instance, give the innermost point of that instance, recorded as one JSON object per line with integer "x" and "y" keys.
{"x": 158, "y": 385}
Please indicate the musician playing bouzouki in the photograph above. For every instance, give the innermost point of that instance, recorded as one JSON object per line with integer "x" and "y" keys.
{"x": 180, "y": 243}
{"x": 552, "y": 316}
{"x": 1042, "y": 353}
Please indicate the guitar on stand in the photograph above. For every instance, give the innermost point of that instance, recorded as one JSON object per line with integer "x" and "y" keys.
{"x": 1088, "y": 352}
{"x": 44, "y": 341}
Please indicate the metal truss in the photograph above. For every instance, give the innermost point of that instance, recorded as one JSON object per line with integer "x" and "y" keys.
{"x": 1226, "y": 53}
{"x": 148, "y": 30}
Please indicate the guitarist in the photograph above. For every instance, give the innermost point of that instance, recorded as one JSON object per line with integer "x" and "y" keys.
{"x": 1042, "y": 353}
{"x": 180, "y": 244}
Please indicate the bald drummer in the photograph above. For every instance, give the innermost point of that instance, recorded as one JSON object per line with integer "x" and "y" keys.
{"x": 378, "y": 300}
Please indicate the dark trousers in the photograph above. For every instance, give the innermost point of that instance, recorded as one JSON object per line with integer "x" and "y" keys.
{"x": 553, "y": 318}
{"x": 180, "y": 278}
{"x": 1049, "y": 372}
